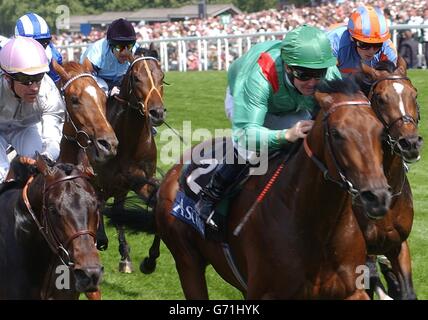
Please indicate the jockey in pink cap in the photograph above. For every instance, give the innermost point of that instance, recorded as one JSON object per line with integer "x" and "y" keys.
{"x": 31, "y": 108}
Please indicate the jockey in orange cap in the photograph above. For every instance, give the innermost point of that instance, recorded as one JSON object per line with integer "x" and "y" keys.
{"x": 366, "y": 39}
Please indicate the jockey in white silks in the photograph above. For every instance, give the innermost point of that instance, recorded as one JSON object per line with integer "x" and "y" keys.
{"x": 31, "y": 108}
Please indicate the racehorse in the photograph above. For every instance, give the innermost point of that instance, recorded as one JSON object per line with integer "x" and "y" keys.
{"x": 292, "y": 248}
{"x": 393, "y": 99}
{"x": 49, "y": 219}
{"x": 132, "y": 114}
{"x": 86, "y": 126}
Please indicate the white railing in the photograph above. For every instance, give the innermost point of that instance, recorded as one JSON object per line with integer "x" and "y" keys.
{"x": 210, "y": 53}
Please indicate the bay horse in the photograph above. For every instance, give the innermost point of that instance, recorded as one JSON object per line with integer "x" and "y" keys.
{"x": 292, "y": 248}
{"x": 86, "y": 126}
{"x": 393, "y": 98}
{"x": 132, "y": 114}
{"x": 48, "y": 220}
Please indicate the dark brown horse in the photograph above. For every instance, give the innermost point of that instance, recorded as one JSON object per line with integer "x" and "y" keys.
{"x": 86, "y": 126}
{"x": 47, "y": 227}
{"x": 139, "y": 107}
{"x": 393, "y": 99}
{"x": 299, "y": 242}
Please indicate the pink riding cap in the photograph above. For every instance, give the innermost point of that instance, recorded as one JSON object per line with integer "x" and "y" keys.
{"x": 23, "y": 55}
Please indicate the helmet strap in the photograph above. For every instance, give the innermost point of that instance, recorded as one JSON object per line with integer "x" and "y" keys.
{"x": 12, "y": 86}
{"x": 289, "y": 78}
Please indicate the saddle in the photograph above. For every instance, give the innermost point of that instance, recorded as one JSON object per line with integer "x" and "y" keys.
{"x": 197, "y": 173}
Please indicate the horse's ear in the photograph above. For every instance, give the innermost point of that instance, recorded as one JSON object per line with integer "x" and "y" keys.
{"x": 369, "y": 71}
{"x": 87, "y": 65}
{"x": 84, "y": 165}
{"x": 401, "y": 66}
{"x": 42, "y": 165}
{"x": 324, "y": 100}
{"x": 152, "y": 46}
{"x": 61, "y": 71}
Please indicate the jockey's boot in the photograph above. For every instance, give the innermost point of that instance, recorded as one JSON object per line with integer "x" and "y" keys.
{"x": 211, "y": 194}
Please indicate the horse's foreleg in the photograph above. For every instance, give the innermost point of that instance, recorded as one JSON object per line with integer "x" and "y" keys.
{"x": 149, "y": 263}
{"x": 102, "y": 240}
{"x": 358, "y": 295}
{"x": 402, "y": 270}
{"x": 93, "y": 295}
{"x": 125, "y": 264}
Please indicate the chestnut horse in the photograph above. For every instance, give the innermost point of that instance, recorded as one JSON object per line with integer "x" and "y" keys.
{"x": 49, "y": 219}
{"x": 292, "y": 248}
{"x": 393, "y": 99}
{"x": 86, "y": 126}
{"x": 132, "y": 114}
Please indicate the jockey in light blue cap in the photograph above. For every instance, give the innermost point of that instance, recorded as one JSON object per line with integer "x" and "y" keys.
{"x": 34, "y": 26}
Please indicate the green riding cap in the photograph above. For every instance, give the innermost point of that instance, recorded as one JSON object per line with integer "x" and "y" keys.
{"x": 307, "y": 47}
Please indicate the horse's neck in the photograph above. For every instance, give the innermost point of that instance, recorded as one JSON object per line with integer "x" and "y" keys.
{"x": 315, "y": 203}
{"x": 133, "y": 130}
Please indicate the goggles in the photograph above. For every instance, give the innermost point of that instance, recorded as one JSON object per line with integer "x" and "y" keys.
{"x": 44, "y": 42}
{"x": 308, "y": 74}
{"x": 119, "y": 47}
{"x": 27, "y": 80}
{"x": 366, "y": 46}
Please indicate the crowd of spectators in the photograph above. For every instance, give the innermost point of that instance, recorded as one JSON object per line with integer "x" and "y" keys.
{"x": 322, "y": 14}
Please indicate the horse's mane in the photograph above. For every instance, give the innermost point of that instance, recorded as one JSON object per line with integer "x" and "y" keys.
{"x": 366, "y": 82}
{"x": 66, "y": 167}
{"x": 386, "y": 66}
{"x": 345, "y": 86}
{"x": 73, "y": 66}
{"x": 147, "y": 52}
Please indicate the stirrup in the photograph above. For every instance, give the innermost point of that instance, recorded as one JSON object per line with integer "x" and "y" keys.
{"x": 210, "y": 222}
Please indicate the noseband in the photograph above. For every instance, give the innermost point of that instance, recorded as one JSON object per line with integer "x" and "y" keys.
{"x": 344, "y": 182}
{"x": 406, "y": 118}
{"x": 69, "y": 119}
{"x": 45, "y": 226}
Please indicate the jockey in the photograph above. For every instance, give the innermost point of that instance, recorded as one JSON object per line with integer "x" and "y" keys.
{"x": 271, "y": 88}
{"x": 31, "y": 108}
{"x": 366, "y": 39}
{"x": 34, "y": 26}
{"x": 110, "y": 56}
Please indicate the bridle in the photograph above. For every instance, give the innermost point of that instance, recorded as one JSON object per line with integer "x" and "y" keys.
{"x": 44, "y": 225}
{"x": 77, "y": 131}
{"x": 140, "y": 105}
{"x": 406, "y": 118}
{"x": 344, "y": 182}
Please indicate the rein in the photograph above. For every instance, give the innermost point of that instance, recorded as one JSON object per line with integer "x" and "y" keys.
{"x": 45, "y": 228}
{"x": 344, "y": 182}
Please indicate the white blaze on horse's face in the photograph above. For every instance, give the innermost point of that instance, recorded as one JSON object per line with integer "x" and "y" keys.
{"x": 92, "y": 92}
{"x": 399, "y": 89}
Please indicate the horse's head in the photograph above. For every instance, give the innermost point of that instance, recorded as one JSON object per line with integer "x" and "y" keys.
{"x": 86, "y": 107}
{"x": 144, "y": 86}
{"x": 66, "y": 207}
{"x": 352, "y": 144}
{"x": 393, "y": 99}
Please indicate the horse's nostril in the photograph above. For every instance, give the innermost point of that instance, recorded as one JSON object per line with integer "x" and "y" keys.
{"x": 404, "y": 144}
{"x": 368, "y": 196}
{"x": 104, "y": 144}
{"x": 157, "y": 114}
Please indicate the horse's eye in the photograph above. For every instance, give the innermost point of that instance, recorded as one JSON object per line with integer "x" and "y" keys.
{"x": 52, "y": 210}
{"x": 379, "y": 100}
{"x": 74, "y": 100}
{"x": 335, "y": 134}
